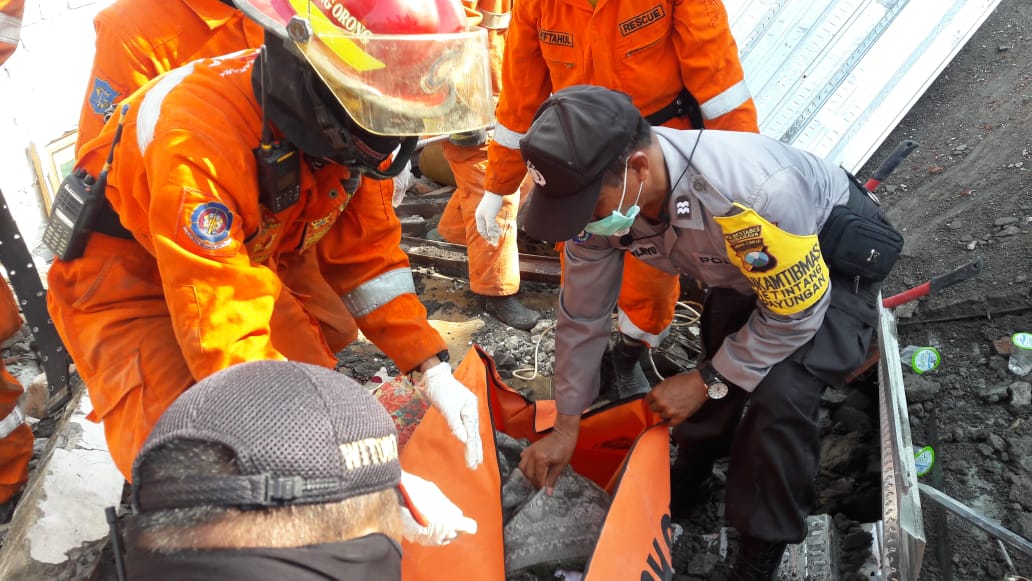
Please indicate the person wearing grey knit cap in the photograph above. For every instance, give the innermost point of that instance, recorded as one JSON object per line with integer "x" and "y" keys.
{"x": 279, "y": 470}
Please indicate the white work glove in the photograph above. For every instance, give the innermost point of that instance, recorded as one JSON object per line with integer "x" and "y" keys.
{"x": 445, "y": 521}
{"x": 402, "y": 182}
{"x": 487, "y": 217}
{"x": 458, "y": 405}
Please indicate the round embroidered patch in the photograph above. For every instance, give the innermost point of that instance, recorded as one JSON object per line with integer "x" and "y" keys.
{"x": 210, "y": 224}
{"x": 757, "y": 259}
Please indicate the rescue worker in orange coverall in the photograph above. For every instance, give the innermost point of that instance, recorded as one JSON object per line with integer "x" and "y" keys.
{"x": 494, "y": 269}
{"x": 15, "y": 436}
{"x": 138, "y": 40}
{"x": 679, "y": 63}
{"x": 249, "y": 210}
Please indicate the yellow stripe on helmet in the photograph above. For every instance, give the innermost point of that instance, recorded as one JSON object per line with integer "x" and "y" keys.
{"x": 331, "y": 35}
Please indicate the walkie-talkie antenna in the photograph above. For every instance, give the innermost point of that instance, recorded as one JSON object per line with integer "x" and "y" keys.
{"x": 266, "y": 127}
{"x": 102, "y": 177}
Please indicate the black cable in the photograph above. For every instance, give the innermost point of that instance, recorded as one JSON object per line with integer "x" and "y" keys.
{"x": 116, "y": 541}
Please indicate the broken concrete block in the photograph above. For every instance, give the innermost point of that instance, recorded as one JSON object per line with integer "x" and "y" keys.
{"x": 34, "y": 401}
{"x": 1021, "y": 397}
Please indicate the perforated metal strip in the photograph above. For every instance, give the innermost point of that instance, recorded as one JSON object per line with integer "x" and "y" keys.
{"x": 32, "y": 300}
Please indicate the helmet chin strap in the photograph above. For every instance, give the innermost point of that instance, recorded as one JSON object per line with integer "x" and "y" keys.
{"x": 401, "y": 159}
{"x": 300, "y": 105}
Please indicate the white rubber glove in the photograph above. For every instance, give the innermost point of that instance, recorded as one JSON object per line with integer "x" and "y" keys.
{"x": 445, "y": 521}
{"x": 487, "y": 217}
{"x": 402, "y": 182}
{"x": 458, "y": 405}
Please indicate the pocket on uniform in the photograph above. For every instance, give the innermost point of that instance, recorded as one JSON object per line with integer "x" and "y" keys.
{"x": 117, "y": 281}
{"x": 840, "y": 345}
{"x": 557, "y": 50}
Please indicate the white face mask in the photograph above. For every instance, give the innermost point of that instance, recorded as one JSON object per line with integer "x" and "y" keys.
{"x": 618, "y": 223}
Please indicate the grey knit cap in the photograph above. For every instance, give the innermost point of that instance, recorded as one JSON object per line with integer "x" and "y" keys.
{"x": 302, "y": 434}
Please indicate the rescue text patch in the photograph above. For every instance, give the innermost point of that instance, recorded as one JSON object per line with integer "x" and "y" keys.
{"x": 556, "y": 38}
{"x": 786, "y": 271}
{"x": 642, "y": 20}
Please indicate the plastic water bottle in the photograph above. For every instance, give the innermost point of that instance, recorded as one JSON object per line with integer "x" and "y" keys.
{"x": 920, "y": 359}
{"x": 1020, "y": 361}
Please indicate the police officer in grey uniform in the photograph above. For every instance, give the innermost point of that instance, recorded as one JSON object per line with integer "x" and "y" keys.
{"x": 791, "y": 251}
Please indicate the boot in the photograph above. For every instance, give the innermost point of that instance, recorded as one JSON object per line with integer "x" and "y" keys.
{"x": 757, "y": 560}
{"x": 630, "y": 379}
{"x": 510, "y": 310}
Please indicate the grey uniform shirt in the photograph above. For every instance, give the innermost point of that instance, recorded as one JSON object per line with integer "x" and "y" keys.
{"x": 788, "y": 187}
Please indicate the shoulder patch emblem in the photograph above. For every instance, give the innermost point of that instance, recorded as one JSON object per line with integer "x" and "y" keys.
{"x": 102, "y": 96}
{"x": 209, "y": 226}
{"x": 749, "y": 246}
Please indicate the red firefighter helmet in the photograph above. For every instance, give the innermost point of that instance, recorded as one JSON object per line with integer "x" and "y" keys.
{"x": 398, "y": 67}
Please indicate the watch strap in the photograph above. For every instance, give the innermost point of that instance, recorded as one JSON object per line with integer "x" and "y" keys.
{"x": 709, "y": 375}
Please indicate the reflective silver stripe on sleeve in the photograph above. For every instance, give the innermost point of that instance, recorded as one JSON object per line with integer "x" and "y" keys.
{"x": 495, "y": 20}
{"x": 150, "y": 107}
{"x": 378, "y": 292}
{"x": 10, "y": 28}
{"x": 507, "y": 137}
{"x": 726, "y": 102}
{"x": 11, "y": 422}
{"x": 627, "y": 327}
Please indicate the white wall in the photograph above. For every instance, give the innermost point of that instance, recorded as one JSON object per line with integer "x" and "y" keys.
{"x": 41, "y": 90}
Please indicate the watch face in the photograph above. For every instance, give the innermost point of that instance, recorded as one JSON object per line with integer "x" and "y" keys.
{"x": 716, "y": 390}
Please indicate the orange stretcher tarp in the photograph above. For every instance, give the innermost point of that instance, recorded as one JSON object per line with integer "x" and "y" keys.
{"x": 622, "y": 447}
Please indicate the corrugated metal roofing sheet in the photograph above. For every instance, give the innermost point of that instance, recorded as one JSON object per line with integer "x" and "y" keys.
{"x": 834, "y": 77}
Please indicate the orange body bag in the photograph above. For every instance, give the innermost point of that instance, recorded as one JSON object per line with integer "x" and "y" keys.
{"x": 622, "y": 447}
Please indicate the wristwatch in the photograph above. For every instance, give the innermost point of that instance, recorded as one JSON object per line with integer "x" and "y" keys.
{"x": 716, "y": 385}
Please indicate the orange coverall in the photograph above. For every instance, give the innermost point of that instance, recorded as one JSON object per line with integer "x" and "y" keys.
{"x": 493, "y": 270}
{"x": 651, "y": 51}
{"x": 15, "y": 437}
{"x": 138, "y": 40}
{"x": 10, "y": 27}
{"x": 213, "y": 278}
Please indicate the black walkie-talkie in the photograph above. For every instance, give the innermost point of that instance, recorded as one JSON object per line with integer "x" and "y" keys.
{"x": 278, "y": 163}
{"x": 77, "y": 204}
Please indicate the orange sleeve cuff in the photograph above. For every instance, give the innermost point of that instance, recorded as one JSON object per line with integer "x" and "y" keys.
{"x": 505, "y": 169}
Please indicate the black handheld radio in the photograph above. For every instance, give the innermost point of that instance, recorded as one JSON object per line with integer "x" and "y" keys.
{"x": 278, "y": 163}
{"x": 77, "y": 204}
